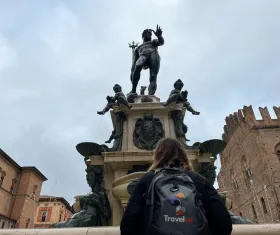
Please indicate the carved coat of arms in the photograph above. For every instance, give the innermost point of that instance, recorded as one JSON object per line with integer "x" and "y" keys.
{"x": 148, "y": 131}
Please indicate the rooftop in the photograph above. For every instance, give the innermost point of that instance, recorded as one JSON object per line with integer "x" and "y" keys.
{"x": 47, "y": 198}
{"x": 24, "y": 168}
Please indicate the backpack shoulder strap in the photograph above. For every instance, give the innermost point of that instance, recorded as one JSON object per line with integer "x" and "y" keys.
{"x": 151, "y": 195}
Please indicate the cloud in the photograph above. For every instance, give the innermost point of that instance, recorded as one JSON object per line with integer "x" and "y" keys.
{"x": 59, "y": 60}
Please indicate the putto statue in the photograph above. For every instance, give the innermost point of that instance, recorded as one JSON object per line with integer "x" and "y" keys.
{"x": 114, "y": 136}
{"x": 146, "y": 57}
{"x": 119, "y": 97}
{"x": 94, "y": 208}
{"x": 178, "y": 96}
{"x": 142, "y": 90}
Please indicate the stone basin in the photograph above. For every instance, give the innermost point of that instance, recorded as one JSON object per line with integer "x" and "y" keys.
{"x": 120, "y": 190}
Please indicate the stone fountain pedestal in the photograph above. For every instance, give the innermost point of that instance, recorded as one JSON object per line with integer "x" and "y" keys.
{"x": 138, "y": 130}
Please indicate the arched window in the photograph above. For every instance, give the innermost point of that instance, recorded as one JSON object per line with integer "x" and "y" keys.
{"x": 254, "y": 212}
{"x": 33, "y": 194}
{"x": 233, "y": 177}
{"x": 35, "y": 188}
{"x": 2, "y": 176}
{"x": 263, "y": 206}
{"x": 246, "y": 167}
{"x": 14, "y": 181}
{"x": 27, "y": 223}
{"x": 277, "y": 151}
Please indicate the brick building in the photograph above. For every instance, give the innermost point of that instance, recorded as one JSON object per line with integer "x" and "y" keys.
{"x": 52, "y": 210}
{"x": 250, "y": 164}
{"x": 20, "y": 189}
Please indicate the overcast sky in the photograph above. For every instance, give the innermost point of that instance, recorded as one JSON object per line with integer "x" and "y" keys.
{"x": 59, "y": 60}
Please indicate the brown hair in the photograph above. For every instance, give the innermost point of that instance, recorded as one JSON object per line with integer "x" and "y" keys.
{"x": 170, "y": 151}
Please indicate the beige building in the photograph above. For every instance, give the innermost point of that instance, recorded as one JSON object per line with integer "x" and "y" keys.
{"x": 52, "y": 210}
{"x": 20, "y": 189}
{"x": 250, "y": 164}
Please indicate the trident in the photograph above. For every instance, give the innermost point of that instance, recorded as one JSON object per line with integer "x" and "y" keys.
{"x": 133, "y": 46}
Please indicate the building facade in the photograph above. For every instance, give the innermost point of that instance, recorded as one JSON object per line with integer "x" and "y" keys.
{"x": 52, "y": 210}
{"x": 250, "y": 164}
{"x": 20, "y": 189}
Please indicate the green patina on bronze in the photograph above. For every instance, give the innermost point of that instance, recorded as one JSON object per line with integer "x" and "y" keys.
{"x": 95, "y": 207}
{"x": 119, "y": 97}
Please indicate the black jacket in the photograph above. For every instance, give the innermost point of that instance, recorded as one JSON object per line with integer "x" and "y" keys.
{"x": 134, "y": 219}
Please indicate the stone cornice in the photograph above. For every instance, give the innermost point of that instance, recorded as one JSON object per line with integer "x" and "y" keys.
{"x": 125, "y": 160}
{"x": 146, "y": 108}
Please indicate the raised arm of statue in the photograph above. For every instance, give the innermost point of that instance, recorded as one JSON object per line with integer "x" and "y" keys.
{"x": 158, "y": 33}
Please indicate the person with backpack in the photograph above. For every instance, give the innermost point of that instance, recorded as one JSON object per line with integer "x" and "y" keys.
{"x": 171, "y": 199}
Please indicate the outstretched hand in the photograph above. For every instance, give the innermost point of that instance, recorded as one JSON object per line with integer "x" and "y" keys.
{"x": 158, "y": 31}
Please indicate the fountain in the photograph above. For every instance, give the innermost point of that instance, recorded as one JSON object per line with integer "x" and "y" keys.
{"x": 139, "y": 122}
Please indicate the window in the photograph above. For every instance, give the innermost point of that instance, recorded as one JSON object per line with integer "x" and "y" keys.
{"x": 60, "y": 216}
{"x": 3, "y": 174}
{"x": 248, "y": 171}
{"x": 44, "y": 216}
{"x": 254, "y": 212}
{"x": 34, "y": 190}
{"x": 277, "y": 151}
{"x": 14, "y": 181}
{"x": 235, "y": 184}
{"x": 27, "y": 223}
{"x": 12, "y": 188}
{"x": 278, "y": 154}
{"x": 47, "y": 204}
{"x": 1, "y": 180}
{"x": 263, "y": 206}
{"x": 240, "y": 213}
{"x": 32, "y": 196}
{"x": 246, "y": 167}
{"x": 3, "y": 224}
{"x": 234, "y": 180}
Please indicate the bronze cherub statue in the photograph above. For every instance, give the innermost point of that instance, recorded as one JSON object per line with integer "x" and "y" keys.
{"x": 187, "y": 104}
{"x": 175, "y": 95}
{"x": 178, "y": 96}
{"x": 113, "y": 136}
{"x": 142, "y": 90}
{"x": 119, "y": 97}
